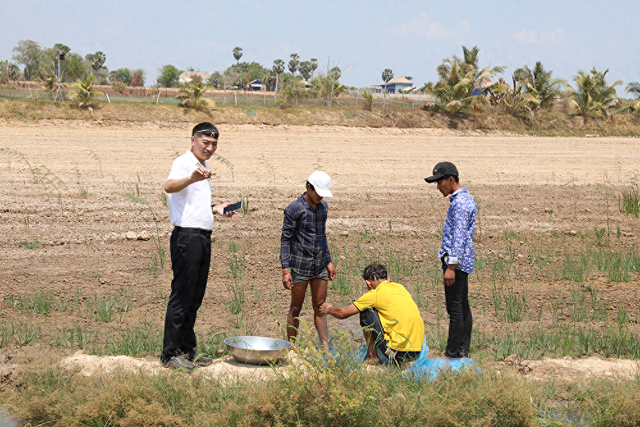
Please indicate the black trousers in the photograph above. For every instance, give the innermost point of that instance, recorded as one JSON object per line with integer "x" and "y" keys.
{"x": 370, "y": 321}
{"x": 460, "y": 319}
{"x": 190, "y": 260}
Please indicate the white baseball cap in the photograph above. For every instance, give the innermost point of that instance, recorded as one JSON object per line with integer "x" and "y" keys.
{"x": 321, "y": 183}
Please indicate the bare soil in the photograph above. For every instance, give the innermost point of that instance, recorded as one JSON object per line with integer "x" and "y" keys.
{"x": 550, "y": 193}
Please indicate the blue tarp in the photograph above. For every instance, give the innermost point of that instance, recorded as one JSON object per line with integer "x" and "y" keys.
{"x": 422, "y": 368}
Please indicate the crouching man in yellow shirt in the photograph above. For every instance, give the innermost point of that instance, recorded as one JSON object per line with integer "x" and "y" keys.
{"x": 389, "y": 317}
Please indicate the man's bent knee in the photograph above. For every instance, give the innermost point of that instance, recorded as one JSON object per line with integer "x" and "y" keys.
{"x": 295, "y": 310}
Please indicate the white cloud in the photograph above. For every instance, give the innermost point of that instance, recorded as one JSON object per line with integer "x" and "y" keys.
{"x": 422, "y": 26}
{"x": 540, "y": 37}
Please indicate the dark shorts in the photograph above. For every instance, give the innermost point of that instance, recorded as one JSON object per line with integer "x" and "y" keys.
{"x": 370, "y": 320}
{"x": 299, "y": 279}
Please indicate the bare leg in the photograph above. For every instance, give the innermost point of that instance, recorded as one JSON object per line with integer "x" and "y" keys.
{"x": 297, "y": 299}
{"x": 318, "y": 297}
{"x": 371, "y": 346}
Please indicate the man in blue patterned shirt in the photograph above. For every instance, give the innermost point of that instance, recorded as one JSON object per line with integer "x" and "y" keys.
{"x": 457, "y": 256}
{"x": 304, "y": 253}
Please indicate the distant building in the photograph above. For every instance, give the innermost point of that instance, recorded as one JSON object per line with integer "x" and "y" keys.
{"x": 255, "y": 85}
{"x": 187, "y": 76}
{"x": 399, "y": 83}
{"x": 410, "y": 90}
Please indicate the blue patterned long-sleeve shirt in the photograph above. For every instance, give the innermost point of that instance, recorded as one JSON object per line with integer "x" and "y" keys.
{"x": 303, "y": 243}
{"x": 457, "y": 235}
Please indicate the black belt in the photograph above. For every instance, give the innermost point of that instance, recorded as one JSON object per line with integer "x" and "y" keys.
{"x": 193, "y": 230}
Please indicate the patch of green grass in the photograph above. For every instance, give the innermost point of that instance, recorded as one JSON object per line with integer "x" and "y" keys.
{"x": 341, "y": 285}
{"x": 210, "y": 344}
{"x": 104, "y": 309}
{"x": 144, "y": 339}
{"x": 236, "y": 293}
{"x": 24, "y": 333}
{"x": 399, "y": 266}
{"x": 4, "y": 337}
{"x": 233, "y": 246}
{"x": 508, "y": 306}
{"x": 73, "y": 337}
{"x": 82, "y": 192}
{"x": 31, "y": 244}
{"x": 574, "y": 269}
{"x": 245, "y": 205}
{"x": 629, "y": 200}
{"x": 36, "y": 301}
{"x": 236, "y": 267}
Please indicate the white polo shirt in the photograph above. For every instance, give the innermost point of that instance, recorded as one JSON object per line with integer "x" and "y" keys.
{"x": 190, "y": 207}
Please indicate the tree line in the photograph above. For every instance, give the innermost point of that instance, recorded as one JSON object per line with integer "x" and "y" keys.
{"x": 33, "y": 63}
{"x": 41, "y": 64}
{"x": 463, "y": 85}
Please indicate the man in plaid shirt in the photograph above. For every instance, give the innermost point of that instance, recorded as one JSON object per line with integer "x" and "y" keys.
{"x": 304, "y": 253}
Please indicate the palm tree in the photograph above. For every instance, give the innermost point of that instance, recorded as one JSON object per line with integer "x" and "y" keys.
{"x": 470, "y": 56}
{"x": 192, "y": 94}
{"x": 96, "y": 60}
{"x": 387, "y": 75}
{"x": 314, "y": 66}
{"x": 592, "y": 94}
{"x": 237, "y": 53}
{"x": 634, "y": 88}
{"x": 517, "y": 100}
{"x": 50, "y": 83}
{"x": 460, "y": 82}
{"x": 451, "y": 88}
{"x": 540, "y": 83}
{"x": 306, "y": 70}
{"x": 461, "y": 85}
{"x": 293, "y": 64}
{"x": 84, "y": 93}
{"x": 278, "y": 68}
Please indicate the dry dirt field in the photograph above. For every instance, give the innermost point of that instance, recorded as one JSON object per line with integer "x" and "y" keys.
{"x": 82, "y": 214}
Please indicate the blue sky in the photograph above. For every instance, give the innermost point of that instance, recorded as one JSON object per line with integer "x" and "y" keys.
{"x": 362, "y": 37}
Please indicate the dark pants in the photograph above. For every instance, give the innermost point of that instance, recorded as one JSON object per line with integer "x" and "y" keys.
{"x": 460, "y": 319}
{"x": 190, "y": 260}
{"x": 370, "y": 321}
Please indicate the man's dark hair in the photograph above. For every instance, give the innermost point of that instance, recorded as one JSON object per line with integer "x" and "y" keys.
{"x": 455, "y": 178}
{"x": 205, "y": 126}
{"x": 311, "y": 187}
{"x": 375, "y": 272}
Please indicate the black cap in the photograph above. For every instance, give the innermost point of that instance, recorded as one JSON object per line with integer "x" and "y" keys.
{"x": 441, "y": 170}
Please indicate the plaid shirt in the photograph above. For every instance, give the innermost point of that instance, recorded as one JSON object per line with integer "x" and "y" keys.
{"x": 304, "y": 247}
{"x": 457, "y": 235}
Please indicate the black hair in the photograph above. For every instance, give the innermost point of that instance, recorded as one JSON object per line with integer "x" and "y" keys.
{"x": 204, "y": 126}
{"x": 311, "y": 187}
{"x": 375, "y": 272}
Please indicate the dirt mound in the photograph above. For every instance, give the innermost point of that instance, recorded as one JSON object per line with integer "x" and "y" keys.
{"x": 228, "y": 370}
{"x": 569, "y": 368}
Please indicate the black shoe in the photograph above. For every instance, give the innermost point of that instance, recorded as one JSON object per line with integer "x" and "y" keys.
{"x": 179, "y": 362}
{"x": 200, "y": 360}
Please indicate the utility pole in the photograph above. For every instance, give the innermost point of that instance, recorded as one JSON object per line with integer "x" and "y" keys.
{"x": 59, "y": 76}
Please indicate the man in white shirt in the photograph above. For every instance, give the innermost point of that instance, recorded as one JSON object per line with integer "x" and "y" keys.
{"x": 191, "y": 213}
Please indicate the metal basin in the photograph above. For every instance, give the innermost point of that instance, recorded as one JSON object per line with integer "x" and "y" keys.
{"x": 257, "y": 350}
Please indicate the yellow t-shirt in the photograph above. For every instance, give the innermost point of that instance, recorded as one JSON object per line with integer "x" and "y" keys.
{"x": 403, "y": 326}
